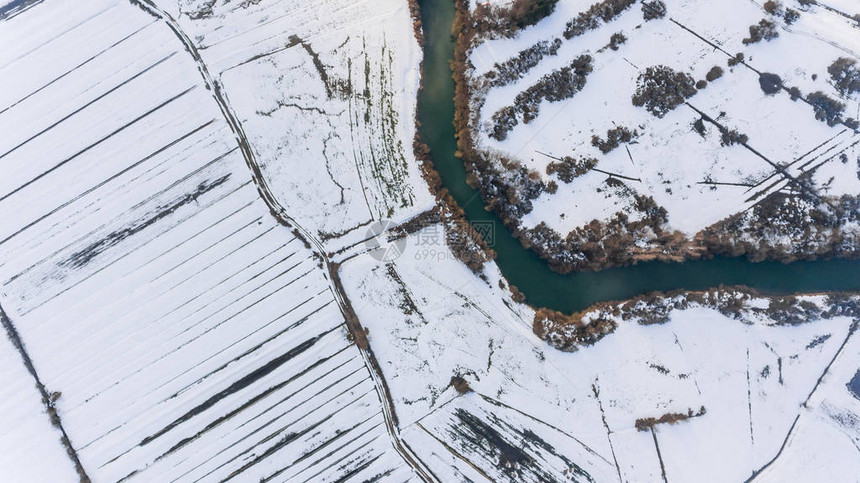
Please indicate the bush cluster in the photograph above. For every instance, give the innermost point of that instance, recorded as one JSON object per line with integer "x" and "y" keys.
{"x": 715, "y": 73}
{"x": 507, "y": 186}
{"x": 614, "y": 137}
{"x": 763, "y": 30}
{"x": 770, "y": 83}
{"x": 772, "y": 7}
{"x": 514, "y": 68}
{"x": 661, "y": 89}
{"x": 590, "y": 19}
{"x": 827, "y": 109}
{"x": 569, "y": 332}
{"x": 653, "y": 10}
{"x": 599, "y": 244}
{"x": 616, "y": 40}
{"x": 787, "y": 227}
{"x": 556, "y": 86}
{"x": 494, "y": 21}
{"x": 644, "y": 424}
{"x": 731, "y": 137}
{"x": 737, "y": 59}
{"x": 845, "y": 75}
{"x": 795, "y": 93}
{"x": 529, "y": 12}
{"x": 504, "y": 120}
{"x": 567, "y": 169}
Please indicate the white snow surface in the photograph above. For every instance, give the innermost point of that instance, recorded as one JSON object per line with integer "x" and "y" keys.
{"x": 190, "y": 334}
{"x": 669, "y": 158}
{"x": 326, "y": 94}
{"x": 30, "y": 448}
{"x": 430, "y": 320}
{"x": 193, "y": 337}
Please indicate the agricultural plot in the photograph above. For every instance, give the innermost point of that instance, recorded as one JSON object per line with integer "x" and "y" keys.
{"x": 186, "y": 333}
{"x": 833, "y": 417}
{"x": 30, "y": 449}
{"x": 505, "y": 444}
{"x": 526, "y": 408}
{"x": 744, "y": 130}
{"x": 324, "y": 92}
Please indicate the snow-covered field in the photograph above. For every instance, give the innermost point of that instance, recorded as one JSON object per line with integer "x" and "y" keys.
{"x": 542, "y": 410}
{"x": 325, "y": 92}
{"x": 698, "y": 180}
{"x": 189, "y": 334}
{"x": 30, "y": 448}
{"x": 185, "y": 334}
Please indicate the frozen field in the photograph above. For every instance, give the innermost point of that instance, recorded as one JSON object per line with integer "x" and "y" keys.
{"x": 179, "y": 180}
{"x": 325, "y": 92}
{"x": 30, "y": 449}
{"x": 684, "y": 168}
{"x": 190, "y": 335}
{"x": 771, "y": 391}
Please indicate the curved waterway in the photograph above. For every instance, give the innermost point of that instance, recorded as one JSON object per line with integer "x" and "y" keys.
{"x": 577, "y": 291}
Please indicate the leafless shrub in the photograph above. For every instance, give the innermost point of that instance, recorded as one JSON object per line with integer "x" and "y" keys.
{"x": 845, "y": 75}
{"x": 616, "y": 40}
{"x": 653, "y": 10}
{"x": 529, "y": 12}
{"x": 660, "y": 89}
{"x": 715, "y": 73}
{"x": 569, "y": 168}
{"x": 556, "y": 86}
{"x": 827, "y": 109}
{"x": 772, "y": 7}
{"x": 795, "y": 93}
{"x": 764, "y": 30}
{"x": 644, "y": 424}
{"x": 737, "y": 59}
{"x": 460, "y": 385}
{"x": 614, "y": 137}
{"x": 604, "y": 11}
{"x": 516, "y": 67}
{"x": 731, "y": 137}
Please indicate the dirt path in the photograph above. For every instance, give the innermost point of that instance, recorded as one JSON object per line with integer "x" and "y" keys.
{"x": 280, "y": 214}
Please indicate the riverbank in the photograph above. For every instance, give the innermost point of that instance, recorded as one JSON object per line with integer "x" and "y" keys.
{"x": 572, "y": 332}
{"x": 777, "y": 227}
{"x": 523, "y": 268}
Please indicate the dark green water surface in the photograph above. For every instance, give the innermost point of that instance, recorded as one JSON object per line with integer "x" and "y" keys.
{"x": 576, "y": 291}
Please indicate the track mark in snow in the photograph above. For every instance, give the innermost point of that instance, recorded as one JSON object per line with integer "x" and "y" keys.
{"x": 80, "y": 258}
{"x": 851, "y": 331}
{"x": 596, "y": 390}
{"x": 292, "y": 408}
{"x": 90, "y": 103}
{"x": 659, "y": 456}
{"x": 64, "y": 74}
{"x": 108, "y": 180}
{"x": 242, "y": 383}
{"x": 101, "y": 140}
{"x": 749, "y": 401}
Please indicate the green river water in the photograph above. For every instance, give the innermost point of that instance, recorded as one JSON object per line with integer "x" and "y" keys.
{"x": 576, "y": 291}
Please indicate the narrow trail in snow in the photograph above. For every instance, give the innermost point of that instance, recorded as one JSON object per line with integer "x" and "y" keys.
{"x": 280, "y": 214}
{"x": 804, "y": 405}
